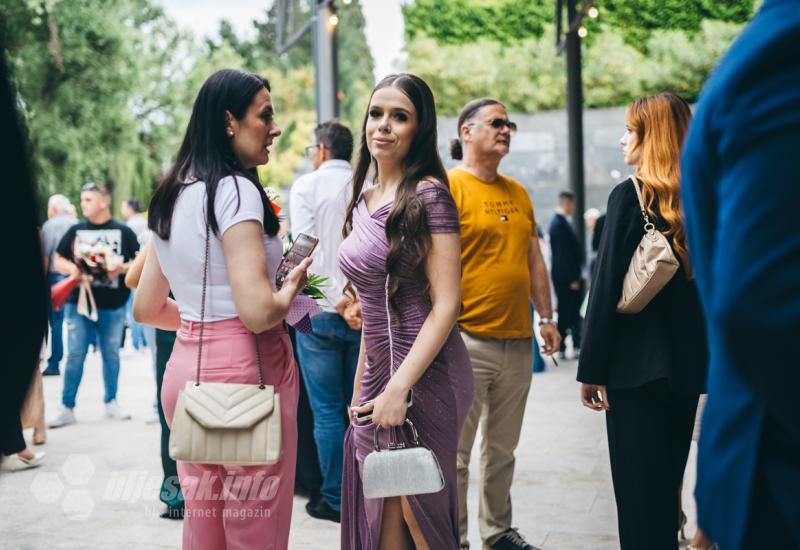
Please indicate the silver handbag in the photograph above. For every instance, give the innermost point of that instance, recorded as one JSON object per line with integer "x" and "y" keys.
{"x": 399, "y": 470}
{"x": 652, "y": 266}
{"x": 220, "y": 423}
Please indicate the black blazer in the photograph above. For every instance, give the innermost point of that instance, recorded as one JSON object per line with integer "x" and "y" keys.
{"x": 666, "y": 339}
{"x": 566, "y": 251}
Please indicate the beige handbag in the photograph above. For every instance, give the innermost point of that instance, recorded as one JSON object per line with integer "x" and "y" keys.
{"x": 652, "y": 266}
{"x": 218, "y": 423}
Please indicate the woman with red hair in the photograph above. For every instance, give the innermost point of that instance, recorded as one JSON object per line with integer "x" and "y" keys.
{"x": 646, "y": 370}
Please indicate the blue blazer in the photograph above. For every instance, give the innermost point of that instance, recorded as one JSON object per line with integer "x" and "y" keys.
{"x": 741, "y": 196}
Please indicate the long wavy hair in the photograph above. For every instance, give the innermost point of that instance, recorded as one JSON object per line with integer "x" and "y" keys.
{"x": 407, "y": 223}
{"x": 660, "y": 123}
{"x": 206, "y": 153}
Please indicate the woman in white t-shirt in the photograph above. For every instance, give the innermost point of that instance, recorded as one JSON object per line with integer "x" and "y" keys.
{"x": 229, "y": 134}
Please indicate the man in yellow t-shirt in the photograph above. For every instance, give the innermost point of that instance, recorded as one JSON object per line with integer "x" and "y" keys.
{"x": 502, "y": 269}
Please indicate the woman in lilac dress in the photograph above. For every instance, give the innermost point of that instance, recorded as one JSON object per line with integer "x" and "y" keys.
{"x": 402, "y": 254}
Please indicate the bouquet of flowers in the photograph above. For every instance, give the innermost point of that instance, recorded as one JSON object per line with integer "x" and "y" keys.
{"x": 304, "y": 306}
{"x": 97, "y": 259}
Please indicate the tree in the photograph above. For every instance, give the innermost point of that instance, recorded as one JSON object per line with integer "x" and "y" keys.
{"x": 505, "y": 21}
{"x": 354, "y": 58}
{"x": 463, "y": 21}
{"x": 106, "y": 87}
{"x": 98, "y": 84}
{"x": 639, "y": 19}
{"x": 528, "y": 76}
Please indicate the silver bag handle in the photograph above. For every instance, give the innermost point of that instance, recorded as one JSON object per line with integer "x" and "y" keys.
{"x": 394, "y": 445}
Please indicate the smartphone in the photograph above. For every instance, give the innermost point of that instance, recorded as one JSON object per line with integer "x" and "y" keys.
{"x": 368, "y": 414}
{"x": 302, "y": 247}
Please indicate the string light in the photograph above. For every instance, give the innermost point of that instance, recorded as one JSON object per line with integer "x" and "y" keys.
{"x": 593, "y": 12}
{"x": 582, "y": 32}
{"x": 333, "y": 20}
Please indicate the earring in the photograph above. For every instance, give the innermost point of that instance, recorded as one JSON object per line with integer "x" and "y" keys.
{"x": 230, "y": 133}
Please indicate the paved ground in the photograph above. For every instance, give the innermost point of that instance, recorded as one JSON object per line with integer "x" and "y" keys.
{"x": 562, "y": 490}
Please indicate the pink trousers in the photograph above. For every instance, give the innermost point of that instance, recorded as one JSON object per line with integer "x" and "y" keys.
{"x": 236, "y": 507}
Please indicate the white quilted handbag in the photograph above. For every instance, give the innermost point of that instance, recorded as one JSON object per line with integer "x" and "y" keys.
{"x": 218, "y": 423}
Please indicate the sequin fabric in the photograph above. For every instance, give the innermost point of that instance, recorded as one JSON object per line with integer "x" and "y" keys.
{"x": 442, "y": 396}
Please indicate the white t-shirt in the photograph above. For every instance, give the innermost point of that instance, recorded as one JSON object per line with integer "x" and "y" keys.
{"x": 183, "y": 255}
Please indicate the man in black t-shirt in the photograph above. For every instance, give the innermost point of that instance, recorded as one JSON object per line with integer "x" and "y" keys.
{"x": 97, "y": 252}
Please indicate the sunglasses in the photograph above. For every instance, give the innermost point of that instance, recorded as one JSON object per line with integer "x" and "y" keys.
{"x": 498, "y": 123}
{"x": 92, "y": 186}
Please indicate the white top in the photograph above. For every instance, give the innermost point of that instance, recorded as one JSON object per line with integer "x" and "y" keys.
{"x": 138, "y": 224}
{"x": 183, "y": 255}
{"x": 318, "y": 206}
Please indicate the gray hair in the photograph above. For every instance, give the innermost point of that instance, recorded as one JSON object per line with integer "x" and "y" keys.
{"x": 60, "y": 203}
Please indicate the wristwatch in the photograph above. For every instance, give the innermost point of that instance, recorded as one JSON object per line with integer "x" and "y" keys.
{"x": 546, "y": 321}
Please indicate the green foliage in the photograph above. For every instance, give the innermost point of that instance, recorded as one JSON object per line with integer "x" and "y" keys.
{"x": 504, "y": 21}
{"x": 529, "y": 77}
{"x": 72, "y": 70}
{"x": 292, "y": 78}
{"x": 354, "y": 58}
{"x": 526, "y": 76}
{"x": 463, "y": 21}
{"x": 639, "y": 19}
{"x": 107, "y": 86}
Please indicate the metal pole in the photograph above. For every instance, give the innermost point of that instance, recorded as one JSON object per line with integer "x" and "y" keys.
{"x": 325, "y": 64}
{"x": 575, "y": 123}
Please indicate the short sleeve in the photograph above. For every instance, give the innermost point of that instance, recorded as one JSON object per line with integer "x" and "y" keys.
{"x": 131, "y": 244}
{"x": 237, "y": 201}
{"x": 439, "y": 206}
{"x": 64, "y": 248}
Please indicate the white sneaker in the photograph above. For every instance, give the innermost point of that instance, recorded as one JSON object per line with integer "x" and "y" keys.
{"x": 65, "y": 417}
{"x": 115, "y": 411}
{"x": 152, "y": 418}
{"x": 21, "y": 463}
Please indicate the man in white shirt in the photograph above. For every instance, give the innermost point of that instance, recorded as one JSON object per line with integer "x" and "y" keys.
{"x": 132, "y": 214}
{"x": 328, "y": 356}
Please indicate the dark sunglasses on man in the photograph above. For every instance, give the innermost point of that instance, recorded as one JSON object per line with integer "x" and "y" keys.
{"x": 498, "y": 123}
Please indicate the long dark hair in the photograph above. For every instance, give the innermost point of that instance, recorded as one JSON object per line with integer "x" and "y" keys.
{"x": 206, "y": 154}
{"x": 407, "y": 223}
{"x": 467, "y": 112}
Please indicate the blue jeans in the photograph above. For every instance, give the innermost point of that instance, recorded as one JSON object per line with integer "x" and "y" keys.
{"x": 138, "y": 338}
{"x": 108, "y": 328}
{"x": 328, "y": 358}
{"x": 56, "y": 326}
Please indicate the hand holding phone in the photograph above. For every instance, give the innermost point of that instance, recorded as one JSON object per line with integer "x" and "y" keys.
{"x": 302, "y": 247}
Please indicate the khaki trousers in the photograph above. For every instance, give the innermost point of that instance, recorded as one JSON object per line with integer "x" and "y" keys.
{"x": 502, "y": 370}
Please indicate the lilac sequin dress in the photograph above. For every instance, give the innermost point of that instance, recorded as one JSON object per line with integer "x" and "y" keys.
{"x": 442, "y": 396}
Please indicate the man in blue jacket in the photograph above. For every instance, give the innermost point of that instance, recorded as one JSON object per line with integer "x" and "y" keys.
{"x": 741, "y": 193}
